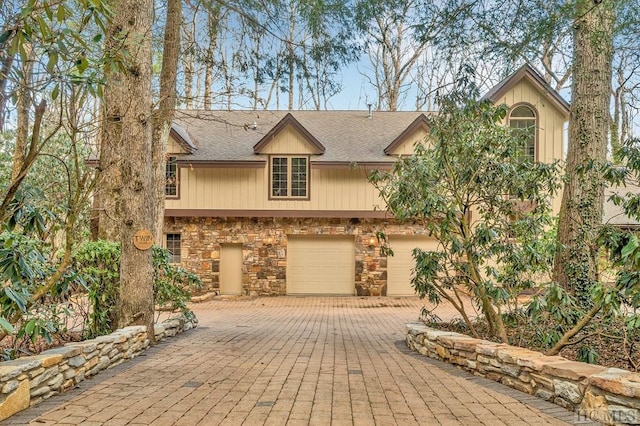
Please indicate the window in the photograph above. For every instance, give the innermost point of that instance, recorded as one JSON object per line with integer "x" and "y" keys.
{"x": 522, "y": 119}
{"x": 289, "y": 177}
{"x": 173, "y": 245}
{"x": 171, "y": 176}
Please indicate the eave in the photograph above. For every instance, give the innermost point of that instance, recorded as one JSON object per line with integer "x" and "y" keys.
{"x": 420, "y": 122}
{"x": 532, "y": 76}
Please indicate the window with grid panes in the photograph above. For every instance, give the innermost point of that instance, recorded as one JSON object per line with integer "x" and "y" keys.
{"x": 171, "y": 178}
{"x": 173, "y": 245}
{"x": 289, "y": 177}
{"x": 522, "y": 119}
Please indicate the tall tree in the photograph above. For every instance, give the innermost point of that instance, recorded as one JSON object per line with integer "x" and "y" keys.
{"x": 582, "y": 200}
{"x": 397, "y": 34}
{"x": 163, "y": 116}
{"x": 125, "y": 158}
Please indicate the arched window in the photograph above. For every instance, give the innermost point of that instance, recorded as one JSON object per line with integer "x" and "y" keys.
{"x": 522, "y": 119}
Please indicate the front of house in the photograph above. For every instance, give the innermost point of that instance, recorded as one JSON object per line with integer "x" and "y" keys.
{"x": 278, "y": 202}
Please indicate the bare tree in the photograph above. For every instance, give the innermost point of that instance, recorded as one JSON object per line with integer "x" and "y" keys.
{"x": 396, "y": 35}
{"x": 163, "y": 116}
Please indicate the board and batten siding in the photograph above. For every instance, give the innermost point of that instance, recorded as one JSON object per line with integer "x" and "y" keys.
{"x": 551, "y": 122}
{"x": 407, "y": 147}
{"x": 248, "y": 189}
{"x": 290, "y": 142}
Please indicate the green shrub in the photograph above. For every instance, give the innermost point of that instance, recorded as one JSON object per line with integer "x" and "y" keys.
{"x": 98, "y": 264}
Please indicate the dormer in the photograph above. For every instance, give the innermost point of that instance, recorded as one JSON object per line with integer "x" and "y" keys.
{"x": 289, "y": 146}
{"x": 534, "y": 106}
{"x": 289, "y": 137}
{"x": 403, "y": 145}
{"x": 180, "y": 141}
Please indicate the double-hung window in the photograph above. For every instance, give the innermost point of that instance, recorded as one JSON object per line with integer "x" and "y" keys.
{"x": 173, "y": 244}
{"x": 171, "y": 178}
{"x": 289, "y": 177}
{"x": 522, "y": 119}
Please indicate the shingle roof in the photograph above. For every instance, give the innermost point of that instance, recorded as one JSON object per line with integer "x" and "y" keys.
{"x": 348, "y": 136}
{"x": 339, "y": 136}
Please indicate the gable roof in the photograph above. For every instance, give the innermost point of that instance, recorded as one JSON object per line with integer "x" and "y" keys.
{"x": 233, "y": 137}
{"x": 182, "y": 138}
{"x": 420, "y": 121}
{"x": 238, "y": 138}
{"x": 531, "y": 75}
{"x": 288, "y": 120}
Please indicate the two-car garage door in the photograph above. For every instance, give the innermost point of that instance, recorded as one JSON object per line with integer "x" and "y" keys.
{"x": 320, "y": 265}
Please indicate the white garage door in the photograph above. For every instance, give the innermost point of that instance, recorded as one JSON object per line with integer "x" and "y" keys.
{"x": 320, "y": 265}
{"x": 401, "y": 264}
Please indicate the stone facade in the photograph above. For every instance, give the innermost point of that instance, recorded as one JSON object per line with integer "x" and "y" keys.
{"x": 29, "y": 380}
{"x": 608, "y": 395}
{"x": 264, "y": 244}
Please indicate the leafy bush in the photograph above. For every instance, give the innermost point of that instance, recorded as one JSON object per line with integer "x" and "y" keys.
{"x": 172, "y": 283}
{"x": 98, "y": 263}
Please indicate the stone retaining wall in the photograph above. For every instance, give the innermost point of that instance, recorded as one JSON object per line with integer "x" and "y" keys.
{"x": 27, "y": 381}
{"x": 609, "y": 395}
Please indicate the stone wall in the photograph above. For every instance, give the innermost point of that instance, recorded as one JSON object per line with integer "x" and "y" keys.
{"x": 608, "y": 395}
{"x": 27, "y": 381}
{"x": 264, "y": 248}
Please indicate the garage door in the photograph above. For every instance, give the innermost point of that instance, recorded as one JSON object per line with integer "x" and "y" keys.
{"x": 401, "y": 264}
{"x": 320, "y": 265}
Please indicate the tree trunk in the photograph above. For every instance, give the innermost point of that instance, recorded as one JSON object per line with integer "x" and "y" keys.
{"x": 5, "y": 68}
{"x": 291, "y": 52}
{"x": 188, "y": 60}
{"x": 23, "y": 108}
{"x": 164, "y": 115}
{"x": 214, "y": 23}
{"x": 126, "y": 137}
{"x": 582, "y": 200}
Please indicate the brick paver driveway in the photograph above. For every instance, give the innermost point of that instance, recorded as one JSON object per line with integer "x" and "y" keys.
{"x": 294, "y": 361}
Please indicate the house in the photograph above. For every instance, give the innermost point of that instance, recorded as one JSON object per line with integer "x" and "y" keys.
{"x": 278, "y": 202}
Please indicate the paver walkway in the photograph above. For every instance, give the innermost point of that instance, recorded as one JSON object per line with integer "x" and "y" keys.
{"x": 293, "y": 361}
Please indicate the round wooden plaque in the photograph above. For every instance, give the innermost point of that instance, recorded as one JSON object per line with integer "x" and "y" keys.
{"x": 143, "y": 240}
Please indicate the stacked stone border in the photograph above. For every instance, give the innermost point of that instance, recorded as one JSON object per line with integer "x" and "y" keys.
{"x": 608, "y": 395}
{"x": 27, "y": 381}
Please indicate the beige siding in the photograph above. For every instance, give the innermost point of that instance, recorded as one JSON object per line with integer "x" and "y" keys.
{"x": 243, "y": 189}
{"x": 550, "y": 132}
{"x": 550, "y": 120}
{"x": 174, "y": 148}
{"x": 289, "y": 141}
{"x": 406, "y": 147}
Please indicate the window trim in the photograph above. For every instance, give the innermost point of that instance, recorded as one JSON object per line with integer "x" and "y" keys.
{"x": 536, "y": 118}
{"x": 289, "y": 157}
{"x": 166, "y": 246}
{"x": 177, "y": 195}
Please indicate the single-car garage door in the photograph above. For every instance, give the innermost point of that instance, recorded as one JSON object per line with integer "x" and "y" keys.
{"x": 320, "y": 265}
{"x": 401, "y": 264}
